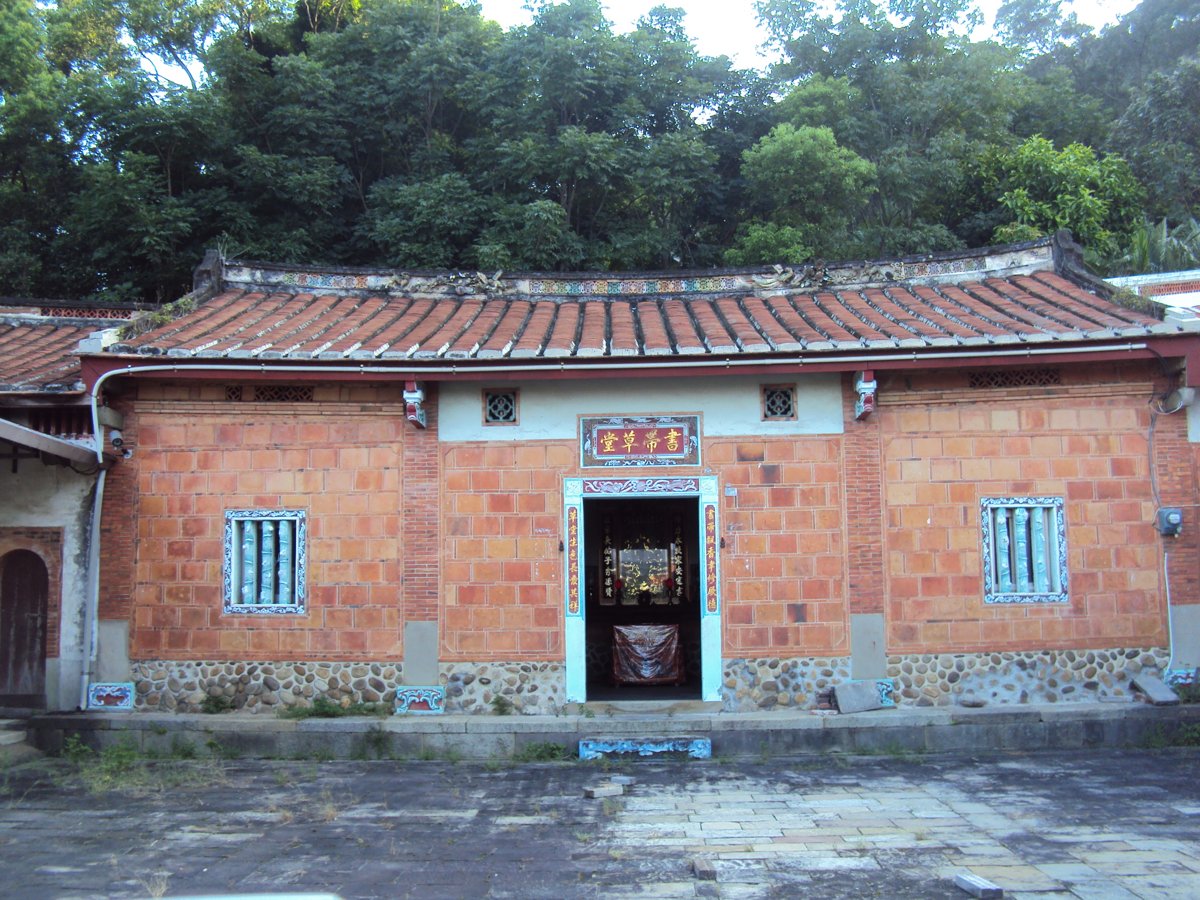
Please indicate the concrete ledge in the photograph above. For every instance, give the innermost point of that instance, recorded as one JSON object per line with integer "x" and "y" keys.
{"x": 734, "y": 735}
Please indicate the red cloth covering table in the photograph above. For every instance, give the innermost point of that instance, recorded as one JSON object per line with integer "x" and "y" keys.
{"x": 647, "y": 654}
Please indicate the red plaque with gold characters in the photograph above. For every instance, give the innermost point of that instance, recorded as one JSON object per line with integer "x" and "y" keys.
{"x": 641, "y": 441}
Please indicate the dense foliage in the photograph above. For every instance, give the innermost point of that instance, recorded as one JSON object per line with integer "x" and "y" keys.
{"x": 134, "y": 134}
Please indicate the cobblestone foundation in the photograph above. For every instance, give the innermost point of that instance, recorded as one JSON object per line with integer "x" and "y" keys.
{"x": 1047, "y": 676}
{"x": 523, "y": 688}
{"x": 260, "y": 687}
{"x": 750, "y": 684}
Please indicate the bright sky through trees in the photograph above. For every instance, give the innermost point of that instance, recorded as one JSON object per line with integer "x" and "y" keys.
{"x": 730, "y": 27}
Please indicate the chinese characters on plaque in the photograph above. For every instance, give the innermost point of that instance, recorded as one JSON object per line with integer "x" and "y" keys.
{"x": 641, "y": 441}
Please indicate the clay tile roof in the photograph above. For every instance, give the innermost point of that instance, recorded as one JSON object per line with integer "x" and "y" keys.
{"x": 38, "y": 346}
{"x": 997, "y": 296}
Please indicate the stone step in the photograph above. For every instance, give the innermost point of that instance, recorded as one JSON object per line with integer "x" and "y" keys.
{"x": 13, "y": 724}
{"x": 643, "y": 707}
{"x": 12, "y": 737}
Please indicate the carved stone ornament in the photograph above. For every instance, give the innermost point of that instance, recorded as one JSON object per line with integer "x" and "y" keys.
{"x": 810, "y": 276}
{"x": 466, "y": 283}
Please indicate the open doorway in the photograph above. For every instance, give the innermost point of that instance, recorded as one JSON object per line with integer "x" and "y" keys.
{"x": 24, "y": 595}
{"x": 643, "y": 598}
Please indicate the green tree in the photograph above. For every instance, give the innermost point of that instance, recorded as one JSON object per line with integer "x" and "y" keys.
{"x": 806, "y": 188}
{"x": 1159, "y": 133}
{"x": 1043, "y": 189}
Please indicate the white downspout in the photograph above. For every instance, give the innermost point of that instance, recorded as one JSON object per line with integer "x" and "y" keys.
{"x": 91, "y": 609}
{"x": 419, "y": 372}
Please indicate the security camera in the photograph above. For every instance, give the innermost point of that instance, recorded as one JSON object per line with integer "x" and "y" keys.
{"x": 116, "y": 439}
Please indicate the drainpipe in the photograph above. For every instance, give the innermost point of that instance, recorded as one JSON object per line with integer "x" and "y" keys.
{"x": 91, "y": 609}
{"x": 417, "y": 372}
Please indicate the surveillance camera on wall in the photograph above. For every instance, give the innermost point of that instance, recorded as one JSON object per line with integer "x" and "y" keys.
{"x": 116, "y": 439}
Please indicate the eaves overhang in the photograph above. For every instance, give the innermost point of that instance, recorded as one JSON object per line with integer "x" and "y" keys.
{"x": 97, "y": 370}
{"x": 38, "y": 444}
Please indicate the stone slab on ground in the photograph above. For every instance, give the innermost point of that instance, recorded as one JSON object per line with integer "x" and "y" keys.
{"x": 857, "y": 696}
{"x": 703, "y": 869}
{"x": 1155, "y": 690}
{"x": 978, "y": 887}
{"x": 608, "y": 789}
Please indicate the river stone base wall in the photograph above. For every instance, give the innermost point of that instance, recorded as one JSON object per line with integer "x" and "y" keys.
{"x": 525, "y": 688}
{"x": 261, "y": 687}
{"x": 948, "y": 679}
{"x": 753, "y": 684}
{"x": 958, "y": 679}
{"x": 1045, "y": 676}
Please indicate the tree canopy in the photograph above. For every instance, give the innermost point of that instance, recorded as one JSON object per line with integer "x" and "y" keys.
{"x": 135, "y": 134}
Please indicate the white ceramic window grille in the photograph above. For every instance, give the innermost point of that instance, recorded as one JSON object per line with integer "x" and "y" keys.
{"x": 500, "y": 407}
{"x": 1024, "y": 550}
{"x": 264, "y": 566}
{"x": 779, "y": 402}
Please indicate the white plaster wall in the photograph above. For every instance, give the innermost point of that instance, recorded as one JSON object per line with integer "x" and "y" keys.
{"x": 730, "y": 406}
{"x": 42, "y": 496}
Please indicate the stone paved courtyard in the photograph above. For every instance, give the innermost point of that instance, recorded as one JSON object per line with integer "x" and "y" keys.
{"x": 1116, "y": 824}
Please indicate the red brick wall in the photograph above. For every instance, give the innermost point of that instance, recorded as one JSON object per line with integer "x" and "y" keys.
{"x": 195, "y": 458}
{"x": 502, "y": 570}
{"x": 884, "y": 517}
{"x": 862, "y": 457}
{"x": 117, "y": 528}
{"x": 420, "y": 512}
{"x": 1085, "y": 442}
{"x": 784, "y": 563}
{"x": 46, "y": 543}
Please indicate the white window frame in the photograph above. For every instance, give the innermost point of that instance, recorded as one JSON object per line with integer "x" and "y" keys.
{"x": 272, "y": 582}
{"x": 1024, "y": 550}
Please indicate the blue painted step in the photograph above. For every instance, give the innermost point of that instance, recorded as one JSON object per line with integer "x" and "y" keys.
{"x": 694, "y": 747}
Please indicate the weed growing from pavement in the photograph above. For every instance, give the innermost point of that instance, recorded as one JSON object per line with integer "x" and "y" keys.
{"x": 155, "y": 885}
{"x": 1183, "y": 736}
{"x": 375, "y": 744}
{"x": 543, "y": 751}
{"x": 1187, "y": 693}
{"x": 324, "y": 708}
{"x": 120, "y": 767}
{"x": 216, "y": 748}
{"x": 214, "y": 704}
{"x": 327, "y": 811}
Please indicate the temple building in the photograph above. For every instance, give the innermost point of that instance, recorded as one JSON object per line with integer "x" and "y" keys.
{"x": 969, "y": 476}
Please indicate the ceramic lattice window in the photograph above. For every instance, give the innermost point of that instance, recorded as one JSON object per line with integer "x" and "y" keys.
{"x": 264, "y": 566}
{"x": 779, "y": 402}
{"x": 1024, "y": 550}
{"x": 283, "y": 393}
{"x": 500, "y": 407}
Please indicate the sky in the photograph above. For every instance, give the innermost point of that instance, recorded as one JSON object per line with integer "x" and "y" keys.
{"x": 729, "y": 27}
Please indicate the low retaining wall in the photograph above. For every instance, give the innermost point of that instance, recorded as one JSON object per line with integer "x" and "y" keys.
{"x": 751, "y": 735}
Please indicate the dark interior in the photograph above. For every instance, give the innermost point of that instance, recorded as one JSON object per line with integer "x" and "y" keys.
{"x": 642, "y": 568}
